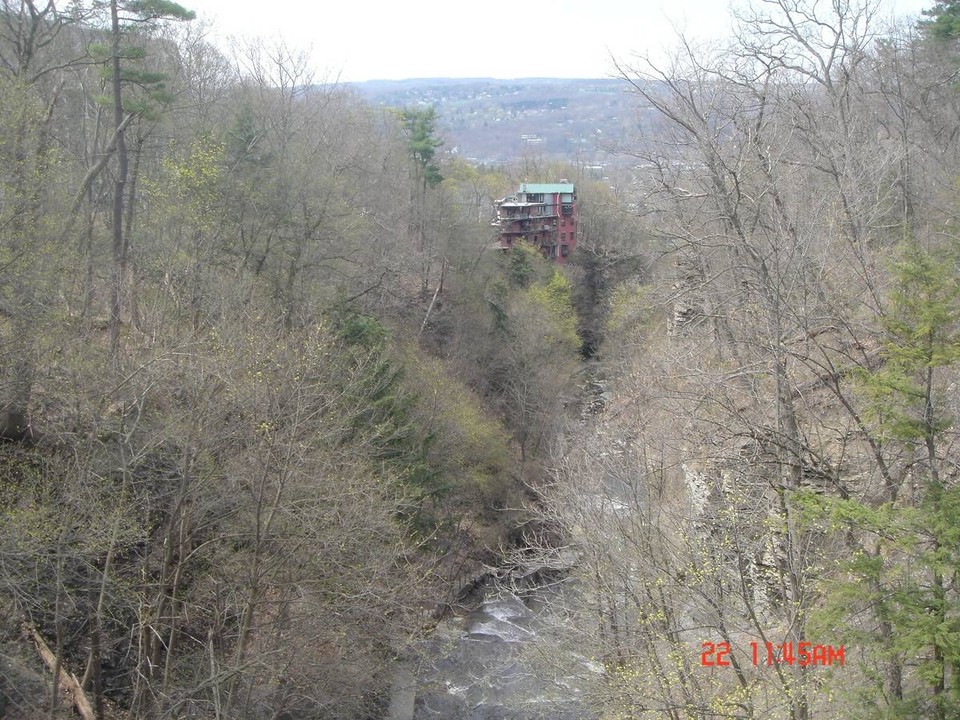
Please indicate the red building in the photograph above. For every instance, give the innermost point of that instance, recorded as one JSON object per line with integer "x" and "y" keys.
{"x": 544, "y": 214}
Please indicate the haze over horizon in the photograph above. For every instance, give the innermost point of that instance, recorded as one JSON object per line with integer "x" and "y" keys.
{"x": 354, "y": 42}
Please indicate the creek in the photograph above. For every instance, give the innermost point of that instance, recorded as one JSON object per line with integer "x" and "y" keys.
{"x": 497, "y": 663}
{"x": 514, "y": 656}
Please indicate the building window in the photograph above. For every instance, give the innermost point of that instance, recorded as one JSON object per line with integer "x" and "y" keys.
{"x": 564, "y": 250}
{"x": 563, "y": 237}
{"x": 568, "y": 209}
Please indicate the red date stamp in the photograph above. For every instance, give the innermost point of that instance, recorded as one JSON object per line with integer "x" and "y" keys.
{"x": 802, "y": 654}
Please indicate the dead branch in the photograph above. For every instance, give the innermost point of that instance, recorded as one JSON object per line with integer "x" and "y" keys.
{"x": 69, "y": 684}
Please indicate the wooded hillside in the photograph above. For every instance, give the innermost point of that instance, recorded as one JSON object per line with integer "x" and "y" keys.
{"x": 259, "y": 403}
{"x": 778, "y": 462}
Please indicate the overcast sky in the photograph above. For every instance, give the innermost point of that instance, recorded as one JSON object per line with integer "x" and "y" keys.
{"x": 392, "y": 39}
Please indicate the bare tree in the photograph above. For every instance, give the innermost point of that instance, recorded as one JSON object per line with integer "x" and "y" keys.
{"x": 770, "y": 186}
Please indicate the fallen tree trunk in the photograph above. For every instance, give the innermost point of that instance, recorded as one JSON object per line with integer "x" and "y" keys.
{"x": 69, "y": 685}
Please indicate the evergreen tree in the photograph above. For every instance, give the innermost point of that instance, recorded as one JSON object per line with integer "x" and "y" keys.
{"x": 944, "y": 22}
{"x": 420, "y": 127}
{"x": 123, "y": 17}
{"x": 910, "y": 549}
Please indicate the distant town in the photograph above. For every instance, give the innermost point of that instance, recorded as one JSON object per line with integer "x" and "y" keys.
{"x": 495, "y": 121}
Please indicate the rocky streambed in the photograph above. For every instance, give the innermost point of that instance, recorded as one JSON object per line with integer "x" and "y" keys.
{"x": 497, "y": 663}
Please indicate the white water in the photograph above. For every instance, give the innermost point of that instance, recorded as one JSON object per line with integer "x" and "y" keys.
{"x": 489, "y": 666}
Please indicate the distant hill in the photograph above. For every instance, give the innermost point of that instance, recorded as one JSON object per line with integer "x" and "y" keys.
{"x": 495, "y": 121}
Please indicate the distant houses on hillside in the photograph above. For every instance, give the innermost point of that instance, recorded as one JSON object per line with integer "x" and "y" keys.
{"x": 543, "y": 214}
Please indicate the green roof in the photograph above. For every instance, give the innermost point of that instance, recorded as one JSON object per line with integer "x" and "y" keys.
{"x": 546, "y": 188}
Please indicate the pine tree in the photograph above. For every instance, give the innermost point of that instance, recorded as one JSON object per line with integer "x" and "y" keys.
{"x": 123, "y": 16}
{"x": 911, "y": 548}
{"x": 944, "y": 23}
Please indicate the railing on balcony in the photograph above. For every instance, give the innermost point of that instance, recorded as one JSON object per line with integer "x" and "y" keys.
{"x": 551, "y": 214}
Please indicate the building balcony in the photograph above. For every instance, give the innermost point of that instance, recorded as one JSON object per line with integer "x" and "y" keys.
{"x": 526, "y": 230}
{"x": 538, "y": 216}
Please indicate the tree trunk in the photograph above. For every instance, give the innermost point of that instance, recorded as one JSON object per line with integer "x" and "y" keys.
{"x": 119, "y": 246}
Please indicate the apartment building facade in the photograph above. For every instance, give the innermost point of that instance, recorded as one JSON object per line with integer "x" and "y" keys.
{"x": 544, "y": 214}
